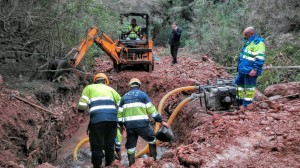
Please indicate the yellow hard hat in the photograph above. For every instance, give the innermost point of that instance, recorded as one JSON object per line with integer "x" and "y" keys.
{"x": 134, "y": 82}
{"x": 103, "y": 76}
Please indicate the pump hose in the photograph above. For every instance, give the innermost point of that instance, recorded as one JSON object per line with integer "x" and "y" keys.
{"x": 162, "y": 101}
{"x": 157, "y": 125}
{"x": 160, "y": 106}
{"x": 77, "y": 147}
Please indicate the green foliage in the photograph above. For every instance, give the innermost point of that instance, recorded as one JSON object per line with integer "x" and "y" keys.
{"x": 170, "y": 12}
{"x": 162, "y": 37}
{"x": 89, "y": 13}
{"x": 217, "y": 27}
{"x": 81, "y": 16}
{"x": 286, "y": 55}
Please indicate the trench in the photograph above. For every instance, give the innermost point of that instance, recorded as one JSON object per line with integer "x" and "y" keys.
{"x": 65, "y": 154}
{"x": 64, "y": 158}
{"x": 155, "y": 89}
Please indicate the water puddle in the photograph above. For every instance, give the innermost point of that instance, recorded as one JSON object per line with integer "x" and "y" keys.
{"x": 65, "y": 153}
{"x": 84, "y": 158}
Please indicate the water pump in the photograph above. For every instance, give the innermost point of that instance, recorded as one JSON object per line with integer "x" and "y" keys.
{"x": 220, "y": 96}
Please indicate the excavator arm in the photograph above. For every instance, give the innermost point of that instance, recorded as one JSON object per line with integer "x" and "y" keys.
{"x": 122, "y": 52}
{"x": 103, "y": 41}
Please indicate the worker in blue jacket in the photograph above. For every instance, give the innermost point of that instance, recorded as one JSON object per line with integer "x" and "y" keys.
{"x": 134, "y": 108}
{"x": 250, "y": 66}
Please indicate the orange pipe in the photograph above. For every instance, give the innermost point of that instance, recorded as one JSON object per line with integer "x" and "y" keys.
{"x": 162, "y": 101}
{"x": 146, "y": 150}
{"x": 77, "y": 147}
{"x": 170, "y": 120}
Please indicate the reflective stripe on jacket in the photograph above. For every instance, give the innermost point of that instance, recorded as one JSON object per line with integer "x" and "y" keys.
{"x": 134, "y": 108}
{"x": 118, "y": 139}
{"x": 133, "y": 34}
{"x": 252, "y": 55}
{"x": 101, "y": 100}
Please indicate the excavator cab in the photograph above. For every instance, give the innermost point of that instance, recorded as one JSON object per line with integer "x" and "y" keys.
{"x": 142, "y": 21}
{"x": 123, "y": 51}
{"x": 139, "y": 50}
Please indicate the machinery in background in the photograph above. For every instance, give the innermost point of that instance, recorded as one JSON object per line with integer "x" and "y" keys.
{"x": 123, "y": 52}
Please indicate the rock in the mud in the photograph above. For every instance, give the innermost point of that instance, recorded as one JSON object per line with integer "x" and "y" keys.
{"x": 168, "y": 165}
{"x": 259, "y": 96}
{"x": 283, "y": 89}
{"x": 46, "y": 165}
{"x": 292, "y": 108}
{"x": 44, "y": 97}
{"x": 169, "y": 154}
{"x": 265, "y": 122}
{"x": 12, "y": 164}
{"x": 116, "y": 163}
{"x": 264, "y": 105}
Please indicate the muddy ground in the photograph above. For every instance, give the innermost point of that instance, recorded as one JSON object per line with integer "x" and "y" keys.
{"x": 268, "y": 135}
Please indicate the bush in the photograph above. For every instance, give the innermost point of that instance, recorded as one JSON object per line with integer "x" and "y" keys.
{"x": 286, "y": 55}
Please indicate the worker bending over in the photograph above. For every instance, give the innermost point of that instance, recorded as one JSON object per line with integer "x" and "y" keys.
{"x": 102, "y": 101}
{"x": 134, "y": 108}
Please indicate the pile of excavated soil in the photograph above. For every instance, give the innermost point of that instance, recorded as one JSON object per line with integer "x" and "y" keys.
{"x": 165, "y": 77}
{"x": 265, "y": 136}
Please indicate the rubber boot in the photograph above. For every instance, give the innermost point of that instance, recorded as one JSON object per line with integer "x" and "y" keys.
{"x": 97, "y": 165}
{"x": 131, "y": 159}
{"x": 153, "y": 152}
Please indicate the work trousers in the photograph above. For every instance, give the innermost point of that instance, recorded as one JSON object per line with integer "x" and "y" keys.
{"x": 245, "y": 89}
{"x": 102, "y": 137}
{"x": 147, "y": 133}
{"x": 174, "y": 50}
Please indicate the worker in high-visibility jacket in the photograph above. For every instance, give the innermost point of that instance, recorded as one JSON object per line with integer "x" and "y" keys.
{"x": 102, "y": 102}
{"x": 134, "y": 108}
{"x": 118, "y": 141}
{"x": 250, "y": 66}
{"x": 133, "y": 31}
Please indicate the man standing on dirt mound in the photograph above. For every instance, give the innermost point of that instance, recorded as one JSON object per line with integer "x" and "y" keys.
{"x": 174, "y": 42}
{"x": 102, "y": 101}
{"x": 134, "y": 108}
{"x": 250, "y": 66}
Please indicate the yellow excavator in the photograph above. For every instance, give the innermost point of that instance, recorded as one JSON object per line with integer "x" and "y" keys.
{"x": 123, "y": 51}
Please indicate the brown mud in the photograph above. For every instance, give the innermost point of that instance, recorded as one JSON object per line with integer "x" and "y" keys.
{"x": 267, "y": 135}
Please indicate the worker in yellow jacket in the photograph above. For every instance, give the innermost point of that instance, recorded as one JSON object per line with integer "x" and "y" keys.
{"x": 133, "y": 31}
{"x": 102, "y": 102}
